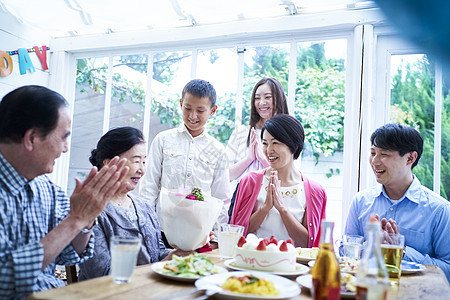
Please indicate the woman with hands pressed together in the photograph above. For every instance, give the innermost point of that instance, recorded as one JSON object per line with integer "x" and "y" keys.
{"x": 244, "y": 146}
{"x": 280, "y": 200}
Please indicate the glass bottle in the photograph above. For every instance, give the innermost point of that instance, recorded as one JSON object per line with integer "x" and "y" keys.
{"x": 372, "y": 278}
{"x": 326, "y": 276}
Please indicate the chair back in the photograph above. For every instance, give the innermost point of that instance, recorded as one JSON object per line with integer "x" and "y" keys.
{"x": 71, "y": 274}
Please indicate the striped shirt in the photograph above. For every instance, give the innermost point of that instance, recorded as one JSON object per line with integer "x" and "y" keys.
{"x": 28, "y": 211}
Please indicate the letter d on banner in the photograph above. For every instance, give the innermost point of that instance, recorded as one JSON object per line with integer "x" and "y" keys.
{"x": 5, "y": 70}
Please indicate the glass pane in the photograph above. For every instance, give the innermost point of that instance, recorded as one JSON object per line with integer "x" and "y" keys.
{"x": 445, "y": 136}
{"x": 412, "y": 103}
{"x": 129, "y": 84}
{"x": 171, "y": 72}
{"x": 260, "y": 62}
{"x": 319, "y": 106}
{"x": 220, "y": 68}
{"x": 87, "y": 122}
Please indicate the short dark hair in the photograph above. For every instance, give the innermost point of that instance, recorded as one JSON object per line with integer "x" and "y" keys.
{"x": 28, "y": 107}
{"x": 396, "y": 137}
{"x": 288, "y": 130}
{"x": 279, "y": 102}
{"x": 115, "y": 142}
{"x": 200, "y": 88}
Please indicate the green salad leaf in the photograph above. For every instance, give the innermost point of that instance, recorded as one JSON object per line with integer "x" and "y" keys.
{"x": 193, "y": 265}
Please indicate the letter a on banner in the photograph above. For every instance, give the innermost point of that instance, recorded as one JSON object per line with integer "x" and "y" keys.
{"x": 42, "y": 56}
{"x": 25, "y": 62}
{"x": 5, "y": 70}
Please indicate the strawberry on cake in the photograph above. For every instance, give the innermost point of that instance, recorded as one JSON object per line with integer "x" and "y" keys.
{"x": 265, "y": 254}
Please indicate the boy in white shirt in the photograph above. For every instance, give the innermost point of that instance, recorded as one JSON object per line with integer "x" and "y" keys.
{"x": 187, "y": 156}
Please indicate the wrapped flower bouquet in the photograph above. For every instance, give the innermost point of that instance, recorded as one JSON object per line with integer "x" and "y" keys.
{"x": 188, "y": 217}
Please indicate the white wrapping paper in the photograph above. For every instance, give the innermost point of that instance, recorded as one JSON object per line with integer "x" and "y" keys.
{"x": 187, "y": 223}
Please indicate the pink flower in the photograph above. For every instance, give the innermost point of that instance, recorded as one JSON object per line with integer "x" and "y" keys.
{"x": 191, "y": 197}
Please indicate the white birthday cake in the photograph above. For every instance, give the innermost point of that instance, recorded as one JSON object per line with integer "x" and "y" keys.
{"x": 265, "y": 254}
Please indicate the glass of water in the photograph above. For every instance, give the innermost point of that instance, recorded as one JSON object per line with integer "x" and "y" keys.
{"x": 351, "y": 246}
{"x": 228, "y": 237}
{"x": 124, "y": 252}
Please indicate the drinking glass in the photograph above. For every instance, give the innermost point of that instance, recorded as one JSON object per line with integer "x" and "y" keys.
{"x": 351, "y": 246}
{"x": 228, "y": 237}
{"x": 392, "y": 249}
{"x": 124, "y": 252}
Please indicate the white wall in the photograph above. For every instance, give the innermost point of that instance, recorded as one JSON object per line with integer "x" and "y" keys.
{"x": 14, "y": 35}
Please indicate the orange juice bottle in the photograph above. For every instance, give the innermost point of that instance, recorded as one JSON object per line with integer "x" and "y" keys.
{"x": 326, "y": 275}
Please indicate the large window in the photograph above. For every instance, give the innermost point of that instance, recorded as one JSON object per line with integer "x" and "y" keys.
{"x": 319, "y": 98}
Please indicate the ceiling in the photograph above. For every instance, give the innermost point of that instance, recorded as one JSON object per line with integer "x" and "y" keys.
{"x": 60, "y": 18}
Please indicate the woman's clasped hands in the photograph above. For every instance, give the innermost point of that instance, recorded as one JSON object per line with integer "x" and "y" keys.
{"x": 274, "y": 197}
{"x": 256, "y": 152}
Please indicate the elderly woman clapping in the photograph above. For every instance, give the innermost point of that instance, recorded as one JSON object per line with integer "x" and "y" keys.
{"x": 125, "y": 216}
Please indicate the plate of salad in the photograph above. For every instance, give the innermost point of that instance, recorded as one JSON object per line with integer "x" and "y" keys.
{"x": 187, "y": 268}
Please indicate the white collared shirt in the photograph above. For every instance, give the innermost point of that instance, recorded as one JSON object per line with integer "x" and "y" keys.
{"x": 178, "y": 160}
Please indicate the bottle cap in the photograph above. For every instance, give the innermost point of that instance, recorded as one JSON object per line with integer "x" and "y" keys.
{"x": 373, "y": 226}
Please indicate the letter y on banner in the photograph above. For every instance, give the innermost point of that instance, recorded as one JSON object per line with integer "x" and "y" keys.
{"x": 42, "y": 56}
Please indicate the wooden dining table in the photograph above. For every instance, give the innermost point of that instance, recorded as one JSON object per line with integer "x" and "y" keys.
{"x": 430, "y": 283}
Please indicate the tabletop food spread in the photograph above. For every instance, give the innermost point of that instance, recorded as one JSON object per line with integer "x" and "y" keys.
{"x": 207, "y": 276}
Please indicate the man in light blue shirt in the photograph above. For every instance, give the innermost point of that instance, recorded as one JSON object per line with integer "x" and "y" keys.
{"x": 401, "y": 203}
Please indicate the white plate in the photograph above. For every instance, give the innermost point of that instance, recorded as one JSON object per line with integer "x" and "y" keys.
{"x": 286, "y": 287}
{"x": 299, "y": 269}
{"x": 409, "y": 267}
{"x": 158, "y": 267}
{"x": 306, "y": 282}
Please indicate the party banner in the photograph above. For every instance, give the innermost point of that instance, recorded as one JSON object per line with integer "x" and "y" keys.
{"x": 25, "y": 64}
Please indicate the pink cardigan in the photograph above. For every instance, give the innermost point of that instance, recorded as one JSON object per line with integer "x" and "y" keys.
{"x": 249, "y": 187}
